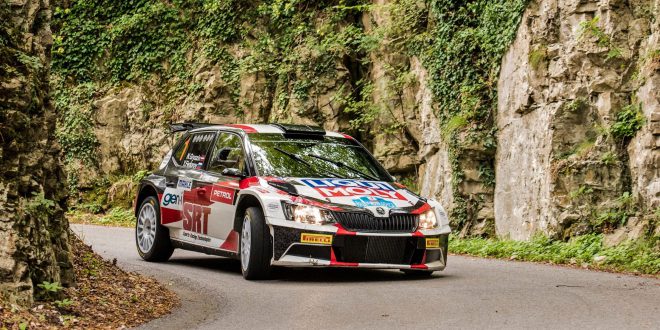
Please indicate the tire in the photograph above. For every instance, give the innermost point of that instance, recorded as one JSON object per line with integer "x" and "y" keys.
{"x": 417, "y": 273}
{"x": 155, "y": 238}
{"x": 256, "y": 247}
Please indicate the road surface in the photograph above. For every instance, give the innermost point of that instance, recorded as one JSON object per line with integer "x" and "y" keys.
{"x": 471, "y": 293}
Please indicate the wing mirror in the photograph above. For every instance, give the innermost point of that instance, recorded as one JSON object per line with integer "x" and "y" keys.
{"x": 230, "y": 171}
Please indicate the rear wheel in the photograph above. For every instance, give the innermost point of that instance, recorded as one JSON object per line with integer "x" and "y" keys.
{"x": 152, "y": 238}
{"x": 256, "y": 249}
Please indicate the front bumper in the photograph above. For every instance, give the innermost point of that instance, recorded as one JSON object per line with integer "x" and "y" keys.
{"x": 297, "y": 247}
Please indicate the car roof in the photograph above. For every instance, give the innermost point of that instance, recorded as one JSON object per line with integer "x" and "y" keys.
{"x": 260, "y": 128}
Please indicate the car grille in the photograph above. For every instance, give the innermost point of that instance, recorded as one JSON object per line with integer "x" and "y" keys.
{"x": 378, "y": 250}
{"x": 359, "y": 221}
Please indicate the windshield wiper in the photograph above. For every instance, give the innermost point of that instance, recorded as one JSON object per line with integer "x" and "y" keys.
{"x": 300, "y": 160}
{"x": 340, "y": 164}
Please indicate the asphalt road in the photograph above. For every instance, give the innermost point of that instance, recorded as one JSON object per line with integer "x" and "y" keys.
{"x": 471, "y": 293}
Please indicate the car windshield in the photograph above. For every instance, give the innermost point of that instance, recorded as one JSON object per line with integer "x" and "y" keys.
{"x": 277, "y": 156}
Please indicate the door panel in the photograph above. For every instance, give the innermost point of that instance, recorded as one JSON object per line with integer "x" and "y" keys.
{"x": 180, "y": 211}
{"x": 220, "y": 191}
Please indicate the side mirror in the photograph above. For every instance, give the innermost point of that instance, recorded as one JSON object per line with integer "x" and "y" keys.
{"x": 230, "y": 171}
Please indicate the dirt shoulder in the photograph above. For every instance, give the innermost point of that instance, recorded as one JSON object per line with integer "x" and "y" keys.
{"x": 104, "y": 297}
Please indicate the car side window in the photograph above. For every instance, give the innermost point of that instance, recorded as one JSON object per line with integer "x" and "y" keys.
{"x": 227, "y": 153}
{"x": 193, "y": 151}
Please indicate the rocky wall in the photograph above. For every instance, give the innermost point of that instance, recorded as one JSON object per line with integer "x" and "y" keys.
{"x": 33, "y": 231}
{"x": 573, "y": 68}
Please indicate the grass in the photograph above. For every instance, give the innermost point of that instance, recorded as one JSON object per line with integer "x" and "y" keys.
{"x": 118, "y": 216}
{"x": 641, "y": 256}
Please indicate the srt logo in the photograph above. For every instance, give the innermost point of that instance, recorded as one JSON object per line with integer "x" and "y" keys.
{"x": 196, "y": 218}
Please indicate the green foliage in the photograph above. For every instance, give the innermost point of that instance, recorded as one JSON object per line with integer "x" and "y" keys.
{"x": 118, "y": 217}
{"x": 590, "y": 28}
{"x": 49, "y": 290}
{"x": 487, "y": 174}
{"x": 39, "y": 206}
{"x": 576, "y": 105}
{"x": 538, "y": 56}
{"x": 580, "y": 192}
{"x": 466, "y": 45}
{"x": 616, "y": 216}
{"x": 64, "y": 303}
{"x": 628, "y": 121}
{"x": 75, "y": 129}
{"x": 49, "y": 287}
{"x": 642, "y": 256}
{"x": 90, "y": 264}
{"x": 609, "y": 158}
{"x": 411, "y": 183}
{"x": 139, "y": 175}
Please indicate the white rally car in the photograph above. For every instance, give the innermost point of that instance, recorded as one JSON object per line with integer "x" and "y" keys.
{"x": 285, "y": 195}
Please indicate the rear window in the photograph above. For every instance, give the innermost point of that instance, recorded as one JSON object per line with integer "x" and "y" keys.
{"x": 192, "y": 152}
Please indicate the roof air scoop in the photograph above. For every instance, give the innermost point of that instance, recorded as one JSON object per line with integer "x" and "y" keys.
{"x": 300, "y": 131}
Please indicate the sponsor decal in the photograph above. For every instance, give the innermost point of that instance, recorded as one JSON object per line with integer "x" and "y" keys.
{"x": 203, "y": 138}
{"x": 194, "y": 161}
{"x": 165, "y": 160}
{"x": 346, "y": 188}
{"x": 196, "y": 218}
{"x": 184, "y": 184}
{"x": 432, "y": 243}
{"x": 208, "y": 178}
{"x": 359, "y": 191}
{"x": 185, "y": 148}
{"x": 273, "y": 206}
{"x": 196, "y": 158}
{"x": 316, "y": 238}
{"x": 373, "y": 201}
{"x": 172, "y": 199}
{"x": 222, "y": 194}
{"x": 329, "y": 183}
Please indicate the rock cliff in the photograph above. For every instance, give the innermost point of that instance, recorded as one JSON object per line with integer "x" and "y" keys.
{"x": 520, "y": 116}
{"x": 577, "y": 72}
{"x": 33, "y": 232}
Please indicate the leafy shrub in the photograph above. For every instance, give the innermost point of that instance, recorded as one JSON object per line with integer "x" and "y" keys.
{"x": 628, "y": 121}
{"x": 641, "y": 256}
{"x": 118, "y": 217}
{"x": 49, "y": 290}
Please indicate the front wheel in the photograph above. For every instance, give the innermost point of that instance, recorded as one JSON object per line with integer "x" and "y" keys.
{"x": 152, "y": 238}
{"x": 256, "y": 249}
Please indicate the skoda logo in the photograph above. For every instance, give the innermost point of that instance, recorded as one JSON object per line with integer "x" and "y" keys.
{"x": 380, "y": 210}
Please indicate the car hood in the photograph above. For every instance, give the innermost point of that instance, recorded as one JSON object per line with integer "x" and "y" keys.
{"x": 349, "y": 194}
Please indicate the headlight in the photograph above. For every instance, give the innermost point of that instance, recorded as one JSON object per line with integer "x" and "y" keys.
{"x": 302, "y": 213}
{"x": 427, "y": 220}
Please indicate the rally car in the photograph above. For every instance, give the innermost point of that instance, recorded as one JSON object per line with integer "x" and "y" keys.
{"x": 285, "y": 195}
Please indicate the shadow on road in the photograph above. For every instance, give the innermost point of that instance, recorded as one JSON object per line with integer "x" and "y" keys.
{"x": 308, "y": 275}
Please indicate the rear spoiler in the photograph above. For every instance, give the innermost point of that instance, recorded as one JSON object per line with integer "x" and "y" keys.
{"x": 182, "y": 127}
